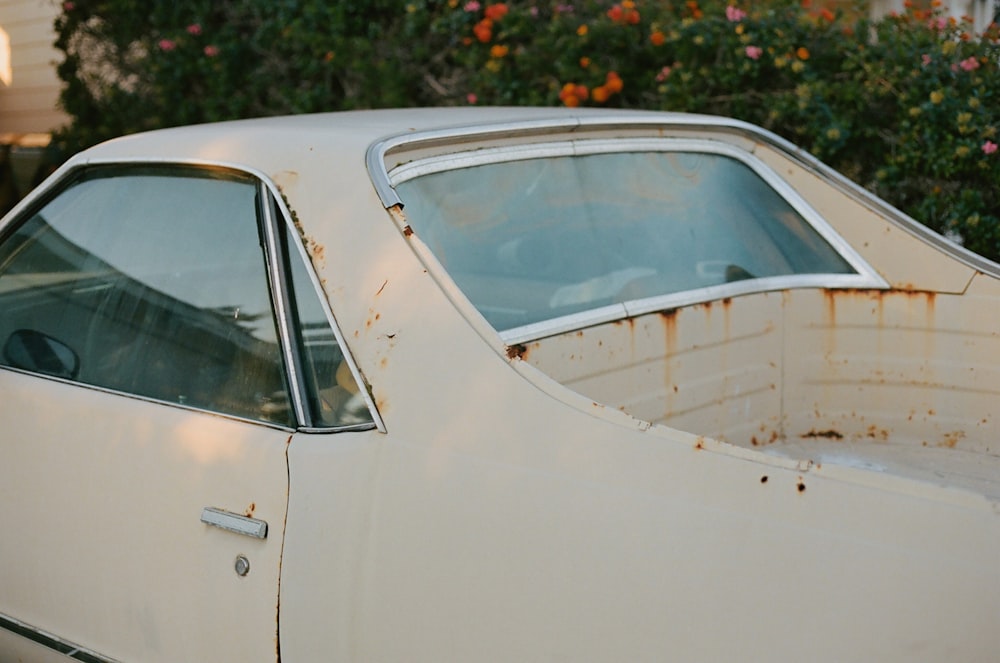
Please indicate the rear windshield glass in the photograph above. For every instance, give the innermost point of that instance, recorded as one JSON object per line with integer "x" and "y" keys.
{"x": 538, "y": 238}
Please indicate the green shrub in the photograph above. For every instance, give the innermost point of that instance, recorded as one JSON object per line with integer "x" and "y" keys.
{"x": 906, "y": 106}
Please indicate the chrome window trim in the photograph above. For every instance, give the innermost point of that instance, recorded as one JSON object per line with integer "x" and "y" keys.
{"x": 70, "y": 170}
{"x": 378, "y": 152}
{"x": 53, "y": 642}
{"x": 636, "y": 307}
{"x": 278, "y": 285}
{"x": 865, "y": 278}
{"x": 585, "y": 147}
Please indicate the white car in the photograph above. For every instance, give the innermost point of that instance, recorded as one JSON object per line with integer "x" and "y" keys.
{"x": 490, "y": 385}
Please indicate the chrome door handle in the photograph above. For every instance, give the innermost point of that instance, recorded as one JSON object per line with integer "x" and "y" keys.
{"x": 234, "y": 522}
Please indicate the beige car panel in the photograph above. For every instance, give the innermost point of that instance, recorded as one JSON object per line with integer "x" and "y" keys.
{"x": 101, "y": 497}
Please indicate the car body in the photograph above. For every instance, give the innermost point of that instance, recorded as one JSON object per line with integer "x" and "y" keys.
{"x": 490, "y": 384}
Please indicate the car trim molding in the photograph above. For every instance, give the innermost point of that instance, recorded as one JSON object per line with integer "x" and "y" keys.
{"x": 53, "y": 642}
{"x": 378, "y": 166}
{"x": 864, "y": 278}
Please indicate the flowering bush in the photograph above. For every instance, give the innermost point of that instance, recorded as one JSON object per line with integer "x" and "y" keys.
{"x": 908, "y": 106}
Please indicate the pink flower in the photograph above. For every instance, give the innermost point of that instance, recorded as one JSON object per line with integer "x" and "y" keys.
{"x": 471, "y": 98}
{"x": 533, "y": 11}
{"x": 68, "y": 6}
{"x": 989, "y": 147}
{"x": 472, "y": 6}
{"x": 663, "y": 75}
{"x": 167, "y": 44}
{"x": 925, "y": 59}
{"x": 754, "y": 52}
{"x": 969, "y": 64}
{"x": 211, "y": 51}
{"x": 939, "y": 23}
{"x": 194, "y": 29}
{"x": 735, "y": 14}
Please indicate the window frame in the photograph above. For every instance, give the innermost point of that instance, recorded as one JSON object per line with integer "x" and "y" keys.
{"x": 465, "y": 156}
{"x": 277, "y": 230}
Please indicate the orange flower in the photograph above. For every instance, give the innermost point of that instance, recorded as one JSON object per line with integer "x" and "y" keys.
{"x": 613, "y": 82}
{"x": 827, "y": 15}
{"x": 496, "y": 12}
{"x": 657, "y": 38}
{"x": 498, "y": 51}
{"x": 624, "y": 13}
{"x": 802, "y": 53}
{"x": 601, "y": 94}
{"x": 572, "y": 94}
{"x": 582, "y": 30}
{"x": 584, "y": 62}
{"x": 483, "y": 30}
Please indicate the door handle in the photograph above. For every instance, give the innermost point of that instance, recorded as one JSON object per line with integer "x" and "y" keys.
{"x": 234, "y": 522}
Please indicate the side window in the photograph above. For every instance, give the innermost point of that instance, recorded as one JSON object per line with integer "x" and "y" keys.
{"x": 333, "y": 396}
{"x": 150, "y": 282}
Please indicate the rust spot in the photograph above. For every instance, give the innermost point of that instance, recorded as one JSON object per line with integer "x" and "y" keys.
{"x": 951, "y": 439}
{"x": 407, "y": 231}
{"x": 384, "y": 362}
{"x": 250, "y": 509}
{"x": 754, "y": 441}
{"x": 827, "y": 434}
{"x": 517, "y": 351}
{"x": 579, "y": 333}
{"x": 876, "y": 433}
{"x": 801, "y": 486}
{"x": 700, "y": 444}
{"x": 318, "y": 250}
{"x": 763, "y": 479}
{"x": 382, "y": 287}
{"x": 378, "y": 315}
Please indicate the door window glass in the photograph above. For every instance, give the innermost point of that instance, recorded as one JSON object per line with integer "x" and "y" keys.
{"x": 150, "y": 282}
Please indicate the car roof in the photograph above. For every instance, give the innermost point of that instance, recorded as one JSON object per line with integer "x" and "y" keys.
{"x": 257, "y": 142}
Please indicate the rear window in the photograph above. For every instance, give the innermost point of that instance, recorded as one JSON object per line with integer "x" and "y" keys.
{"x": 557, "y": 232}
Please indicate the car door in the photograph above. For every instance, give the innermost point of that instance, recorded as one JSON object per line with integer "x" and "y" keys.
{"x": 145, "y": 418}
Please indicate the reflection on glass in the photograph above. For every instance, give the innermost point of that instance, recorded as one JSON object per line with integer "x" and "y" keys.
{"x": 535, "y": 239}
{"x": 334, "y": 397}
{"x": 156, "y": 280}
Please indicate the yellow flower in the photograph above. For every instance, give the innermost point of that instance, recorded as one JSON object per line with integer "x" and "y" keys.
{"x": 961, "y": 151}
{"x": 699, "y": 40}
{"x": 937, "y": 96}
{"x": 494, "y": 65}
{"x": 948, "y": 47}
{"x": 964, "y": 118}
{"x": 833, "y": 133}
{"x": 582, "y": 30}
{"x": 780, "y": 62}
{"x": 740, "y": 29}
{"x": 797, "y": 66}
{"x": 974, "y": 102}
{"x": 915, "y": 111}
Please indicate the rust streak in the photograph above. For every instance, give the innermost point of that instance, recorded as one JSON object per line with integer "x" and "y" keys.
{"x": 827, "y": 434}
{"x": 382, "y": 287}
